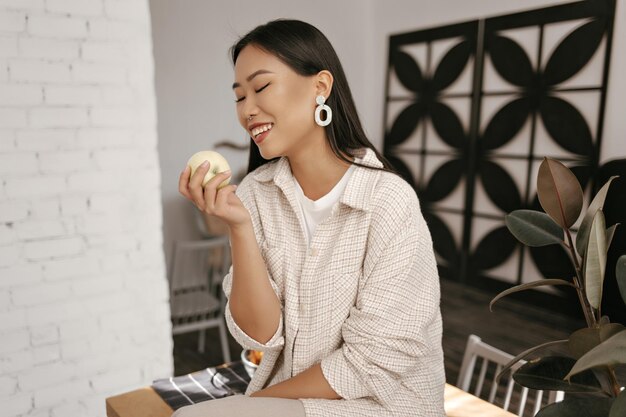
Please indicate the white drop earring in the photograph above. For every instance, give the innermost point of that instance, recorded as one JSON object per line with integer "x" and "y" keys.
{"x": 320, "y": 100}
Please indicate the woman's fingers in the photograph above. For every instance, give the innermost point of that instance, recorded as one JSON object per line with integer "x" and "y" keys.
{"x": 195, "y": 185}
{"x": 210, "y": 190}
{"x": 191, "y": 186}
{"x": 221, "y": 201}
{"x": 183, "y": 182}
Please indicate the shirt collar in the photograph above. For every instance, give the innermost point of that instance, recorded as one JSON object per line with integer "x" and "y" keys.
{"x": 358, "y": 191}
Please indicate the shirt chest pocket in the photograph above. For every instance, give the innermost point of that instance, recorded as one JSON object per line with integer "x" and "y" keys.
{"x": 343, "y": 272}
{"x": 345, "y": 290}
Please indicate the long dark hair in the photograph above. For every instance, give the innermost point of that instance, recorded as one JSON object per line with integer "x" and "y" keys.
{"x": 307, "y": 51}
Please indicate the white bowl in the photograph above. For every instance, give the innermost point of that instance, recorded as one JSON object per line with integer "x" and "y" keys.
{"x": 249, "y": 366}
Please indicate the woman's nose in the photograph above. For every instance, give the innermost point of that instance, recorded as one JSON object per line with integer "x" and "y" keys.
{"x": 249, "y": 109}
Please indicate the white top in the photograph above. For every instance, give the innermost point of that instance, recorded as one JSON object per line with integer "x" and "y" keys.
{"x": 315, "y": 212}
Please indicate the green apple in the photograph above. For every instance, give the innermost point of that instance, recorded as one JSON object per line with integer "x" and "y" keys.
{"x": 217, "y": 164}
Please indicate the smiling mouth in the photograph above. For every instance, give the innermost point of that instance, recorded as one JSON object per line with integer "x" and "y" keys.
{"x": 261, "y": 129}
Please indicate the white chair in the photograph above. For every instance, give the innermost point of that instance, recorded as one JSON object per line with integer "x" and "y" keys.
{"x": 197, "y": 269}
{"x": 475, "y": 349}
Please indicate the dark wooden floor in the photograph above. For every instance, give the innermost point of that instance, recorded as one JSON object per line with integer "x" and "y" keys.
{"x": 512, "y": 327}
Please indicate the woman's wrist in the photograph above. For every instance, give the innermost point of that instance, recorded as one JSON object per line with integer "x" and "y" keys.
{"x": 240, "y": 229}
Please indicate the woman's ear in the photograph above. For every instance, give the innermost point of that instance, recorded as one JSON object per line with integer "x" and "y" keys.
{"x": 324, "y": 83}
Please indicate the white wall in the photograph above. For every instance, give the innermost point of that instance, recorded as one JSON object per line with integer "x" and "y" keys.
{"x": 194, "y": 76}
{"x": 83, "y": 295}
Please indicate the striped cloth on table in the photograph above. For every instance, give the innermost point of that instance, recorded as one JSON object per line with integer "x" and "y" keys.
{"x": 208, "y": 384}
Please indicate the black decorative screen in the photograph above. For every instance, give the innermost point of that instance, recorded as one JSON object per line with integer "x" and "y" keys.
{"x": 472, "y": 109}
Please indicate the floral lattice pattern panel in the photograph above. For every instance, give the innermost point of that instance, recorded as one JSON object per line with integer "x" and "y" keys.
{"x": 472, "y": 109}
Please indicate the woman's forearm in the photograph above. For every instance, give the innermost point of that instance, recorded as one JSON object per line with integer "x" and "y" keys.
{"x": 307, "y": 384}
{"x": 253, "y": 303}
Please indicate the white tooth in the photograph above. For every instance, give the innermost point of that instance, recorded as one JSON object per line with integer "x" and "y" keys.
{"x": 258, "y": 130}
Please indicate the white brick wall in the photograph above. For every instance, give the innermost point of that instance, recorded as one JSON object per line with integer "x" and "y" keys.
{"x": 83, "y": 295}
{"x": 49, "y": 48}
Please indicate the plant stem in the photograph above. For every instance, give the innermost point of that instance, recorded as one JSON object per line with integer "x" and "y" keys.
{"x": 590, "y": 321}
{"x": 580, "y": 289}
{"x": 614, "y": 382}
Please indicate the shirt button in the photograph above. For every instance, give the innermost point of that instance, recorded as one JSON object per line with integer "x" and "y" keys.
{"x": 313, "y": 252}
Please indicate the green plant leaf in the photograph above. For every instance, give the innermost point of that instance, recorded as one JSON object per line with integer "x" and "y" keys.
{"x": 527, "y": 353}
{"x": 547, "y": 374}
{"x": 559, "y": 192}
{"x": 610, "y": 232}
{"x": 528, "y": 285}
{"x": 609, "y": 330}
{"x": 619, "y": 406}
{"x": 611, "y": 352}
{"x": 583, "y": 340}
{"x": 620, "y": 275}
{"x": 578, "y": 407}
{"x": 585, "y": 226}
{"x": 595, "y": 260}
{"x": 533, "y": 228}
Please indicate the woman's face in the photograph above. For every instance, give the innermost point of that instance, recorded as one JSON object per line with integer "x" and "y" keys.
{"x": 274, "y": 104}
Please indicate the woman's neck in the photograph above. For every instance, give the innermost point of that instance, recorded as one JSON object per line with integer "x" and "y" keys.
{"x": 317, "y": 169}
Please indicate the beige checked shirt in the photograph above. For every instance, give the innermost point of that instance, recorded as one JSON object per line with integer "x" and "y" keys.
{"x": 362, "y": 299}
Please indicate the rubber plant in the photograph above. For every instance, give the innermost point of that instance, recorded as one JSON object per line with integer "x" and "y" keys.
{"x": 596, "y": 350}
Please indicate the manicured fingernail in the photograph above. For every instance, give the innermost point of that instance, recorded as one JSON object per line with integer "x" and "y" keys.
{"x": 205, "y": 163}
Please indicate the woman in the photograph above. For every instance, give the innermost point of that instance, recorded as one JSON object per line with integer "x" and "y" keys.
{"x": 333, "y": 273}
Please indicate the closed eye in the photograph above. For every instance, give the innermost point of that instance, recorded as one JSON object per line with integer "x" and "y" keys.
{"x": 256, "y": 91}
{"x": 262, "y": 88}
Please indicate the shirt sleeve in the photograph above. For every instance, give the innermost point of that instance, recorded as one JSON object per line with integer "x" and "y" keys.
{"x": 277, "y": 341}
{"x": 395, "y": 326}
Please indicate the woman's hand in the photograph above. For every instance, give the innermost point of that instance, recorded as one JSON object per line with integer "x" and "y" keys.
{"x": 223, "y": 203}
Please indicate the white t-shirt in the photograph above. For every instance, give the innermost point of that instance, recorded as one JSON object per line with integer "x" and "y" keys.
{"x": 315, "y": 212}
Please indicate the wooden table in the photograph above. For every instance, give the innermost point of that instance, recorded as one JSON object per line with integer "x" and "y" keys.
{"x": 459, "y": 403}
{"x": 145, "y": 402}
